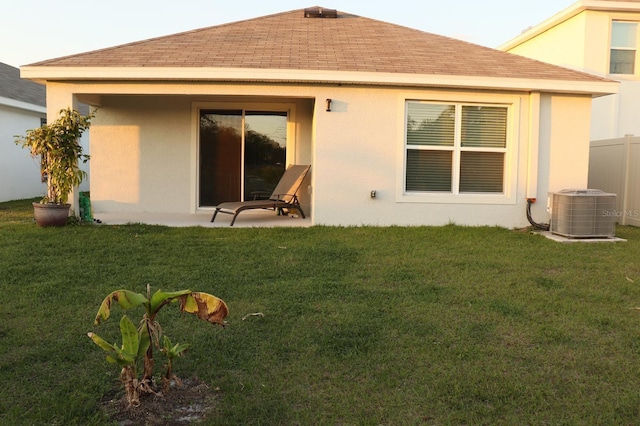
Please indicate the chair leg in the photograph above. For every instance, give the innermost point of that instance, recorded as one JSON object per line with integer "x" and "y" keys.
{"x": 214, "y": 215}
{"x": 300, "y": 211}
{"x": 234, "y": 218}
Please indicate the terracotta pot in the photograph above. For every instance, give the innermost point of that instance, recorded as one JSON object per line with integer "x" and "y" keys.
{"x": 51, "y": 214}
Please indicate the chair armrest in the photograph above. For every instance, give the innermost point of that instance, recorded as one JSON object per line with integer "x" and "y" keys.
{"x": 294, "y": 198}
{"x": 260, "y": 195}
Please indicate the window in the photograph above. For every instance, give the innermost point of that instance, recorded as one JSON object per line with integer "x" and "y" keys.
{"x": 455, "y": 148}
{"x": 623, "y": 47}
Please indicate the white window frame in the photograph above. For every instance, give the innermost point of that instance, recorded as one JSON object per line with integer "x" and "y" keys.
{"x": 508, "y": 196}
{"x": 634, "y": 49}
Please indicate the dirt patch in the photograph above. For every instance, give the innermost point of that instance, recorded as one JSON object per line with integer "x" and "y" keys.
{"x": 193, "y": 402}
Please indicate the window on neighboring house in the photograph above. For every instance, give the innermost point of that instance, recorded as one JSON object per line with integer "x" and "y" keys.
{"x": 455, "y": 148}
{"x": 623, "y": 47}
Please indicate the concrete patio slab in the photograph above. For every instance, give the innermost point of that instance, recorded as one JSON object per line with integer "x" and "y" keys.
{"x": 563, "y": 239}
{"x": 249, "y": 219}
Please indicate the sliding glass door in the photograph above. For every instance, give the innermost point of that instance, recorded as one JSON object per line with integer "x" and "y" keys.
{"x": 242, "y": 154}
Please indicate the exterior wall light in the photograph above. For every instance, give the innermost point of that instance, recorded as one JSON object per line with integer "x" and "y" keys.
{"x": 328, "y": 105}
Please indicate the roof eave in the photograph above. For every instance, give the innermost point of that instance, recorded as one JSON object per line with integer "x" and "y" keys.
{"x": 248, "y": 75}
{"x": 27, "y": 106}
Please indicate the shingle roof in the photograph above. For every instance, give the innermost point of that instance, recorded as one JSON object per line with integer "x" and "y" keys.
{"x": 13, "y": 87}
{"x": 289, "y": 41}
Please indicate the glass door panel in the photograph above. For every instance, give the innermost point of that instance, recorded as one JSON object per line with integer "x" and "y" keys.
{"x": 264, "y": 152}
{"x": 241, "y": 154}
{"x": 220, "y": 156}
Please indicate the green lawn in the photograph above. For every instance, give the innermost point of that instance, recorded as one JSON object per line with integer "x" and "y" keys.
{"x": 361, "y": 326}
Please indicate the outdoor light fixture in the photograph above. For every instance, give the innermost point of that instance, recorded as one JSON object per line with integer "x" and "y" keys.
{"x": 328, "y": 105}
{"x": 373, "y": 193}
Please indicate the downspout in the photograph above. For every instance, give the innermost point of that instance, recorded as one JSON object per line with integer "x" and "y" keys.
{"x": 532, "y": 157}
{"x": 534, "y": 139}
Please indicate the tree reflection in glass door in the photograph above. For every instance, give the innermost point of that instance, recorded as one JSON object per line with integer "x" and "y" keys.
{"x": 240, "y": 154}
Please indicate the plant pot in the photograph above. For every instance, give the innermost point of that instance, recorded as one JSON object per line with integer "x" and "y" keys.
{"x": 51, "y": 214}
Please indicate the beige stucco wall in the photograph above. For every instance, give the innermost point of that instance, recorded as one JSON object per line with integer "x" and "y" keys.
{"x": 144, "y": 150}
{"x": 583, "y": 42}
{"x": 568, "y": 135}
{"x": 561, "y": 45}
{"x": 141, "y": 155}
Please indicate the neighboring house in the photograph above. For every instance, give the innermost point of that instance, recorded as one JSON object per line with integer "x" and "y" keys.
{"x": 22, "y": 107}
{"x": 442, "y": 130}
{"x": 601, "y": 37}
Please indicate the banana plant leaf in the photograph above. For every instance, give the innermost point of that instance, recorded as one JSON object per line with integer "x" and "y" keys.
{"x": 125, "y": 298}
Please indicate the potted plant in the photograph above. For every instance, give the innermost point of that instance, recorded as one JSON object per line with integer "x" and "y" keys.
{"x": 58, "y": 146}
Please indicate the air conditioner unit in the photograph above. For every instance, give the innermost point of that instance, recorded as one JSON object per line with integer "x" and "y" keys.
{"x": 583, "y": 213}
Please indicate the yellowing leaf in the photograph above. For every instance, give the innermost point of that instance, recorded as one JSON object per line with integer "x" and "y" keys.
{"x": 205, "y": 306}
{"x": 125, "y": 298}
{"x": 101, "y": 342}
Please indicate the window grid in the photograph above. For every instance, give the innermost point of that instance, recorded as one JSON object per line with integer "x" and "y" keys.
{"x": 623, "y": 49}
{"x": 459, "y": 178}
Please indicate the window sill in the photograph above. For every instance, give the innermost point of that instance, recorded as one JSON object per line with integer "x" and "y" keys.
{"x": 623, "y": 77}
{"x": 433, "y": 198}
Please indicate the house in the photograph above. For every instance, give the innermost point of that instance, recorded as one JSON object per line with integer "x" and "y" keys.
{"x": 22, "y": 107}
{"x": 400, "y": 127}
{"x": 601, "y": 37}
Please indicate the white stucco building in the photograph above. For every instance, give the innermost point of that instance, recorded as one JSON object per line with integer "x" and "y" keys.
{"x": 601, "y": 37}
{"x": 443, "y": 130}
{"x": 22, "y": 107}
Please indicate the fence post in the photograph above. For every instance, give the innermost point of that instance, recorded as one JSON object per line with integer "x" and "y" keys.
{"x": 627, "y": 178}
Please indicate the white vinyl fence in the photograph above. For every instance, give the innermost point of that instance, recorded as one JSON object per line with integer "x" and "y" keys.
{"x": 614, "y": 166}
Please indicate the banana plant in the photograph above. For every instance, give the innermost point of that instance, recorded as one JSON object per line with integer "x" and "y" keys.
{"x": 205, "y": 306}
{"x": 134, "y": 345}
{"x": 171, "y": 351}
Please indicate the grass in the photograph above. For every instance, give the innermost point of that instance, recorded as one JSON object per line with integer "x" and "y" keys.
{"x": 380, "y": 326}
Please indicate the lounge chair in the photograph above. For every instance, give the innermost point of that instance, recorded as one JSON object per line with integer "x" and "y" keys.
{"x": 283, "y": 196}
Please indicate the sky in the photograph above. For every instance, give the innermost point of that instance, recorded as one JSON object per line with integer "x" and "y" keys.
{"x": 36, "y": 30}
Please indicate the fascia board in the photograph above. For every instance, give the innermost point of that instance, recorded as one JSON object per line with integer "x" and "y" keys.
{"x": 245, "y": 75}
{"x": 545, "y": 25}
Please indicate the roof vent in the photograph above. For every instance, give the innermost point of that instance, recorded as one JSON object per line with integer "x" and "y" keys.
{"x": 318, "y": 12}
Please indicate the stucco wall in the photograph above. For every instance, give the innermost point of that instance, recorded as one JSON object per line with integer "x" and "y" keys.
{"x": 144, "y": 151}
{"x": 583, "y": 43}
{"x": 19, "y": 173}
{"x": 568, "y": 141}
{"x": 141, "y": 150}
{"x": 359, "y": 160}
{"x": 561, "y": 45}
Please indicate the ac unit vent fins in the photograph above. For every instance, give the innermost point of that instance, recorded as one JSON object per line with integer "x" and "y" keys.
{"x": 583, "y": 213}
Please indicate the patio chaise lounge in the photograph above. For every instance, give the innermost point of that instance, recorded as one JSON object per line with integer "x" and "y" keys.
{"x": 283, "y": 196}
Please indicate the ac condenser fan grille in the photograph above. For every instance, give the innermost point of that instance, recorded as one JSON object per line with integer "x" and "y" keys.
{"x": 586, "y": 213}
